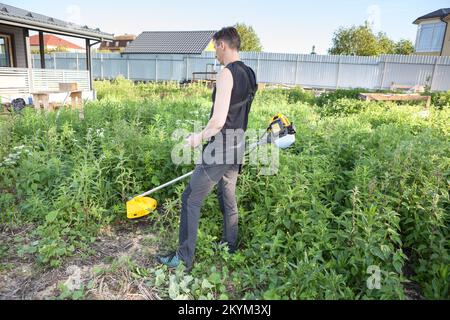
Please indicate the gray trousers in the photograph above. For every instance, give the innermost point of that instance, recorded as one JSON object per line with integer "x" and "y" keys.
{"x": 202, "y": 182}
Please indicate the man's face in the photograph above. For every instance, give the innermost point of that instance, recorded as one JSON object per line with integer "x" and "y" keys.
{"x": 219, "y": 46}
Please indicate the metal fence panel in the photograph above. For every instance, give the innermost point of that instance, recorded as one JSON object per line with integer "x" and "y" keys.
{"x": 441, "y": 80}
{"x": 319, "y": 71}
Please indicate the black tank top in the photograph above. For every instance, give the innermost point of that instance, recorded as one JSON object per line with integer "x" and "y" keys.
{"x": 244, "y": 89}
{"x": 244, "y": 85}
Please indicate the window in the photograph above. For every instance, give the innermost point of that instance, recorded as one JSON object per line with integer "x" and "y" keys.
{"x": 430, "y": 37}
{"x": 5, "y": 51}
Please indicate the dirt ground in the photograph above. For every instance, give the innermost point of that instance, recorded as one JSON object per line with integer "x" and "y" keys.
{"x": 110, "y": 273}
{"x": 115, "y": 269}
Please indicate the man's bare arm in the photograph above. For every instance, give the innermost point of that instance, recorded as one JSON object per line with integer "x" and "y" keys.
{"x": 224, "y": 86}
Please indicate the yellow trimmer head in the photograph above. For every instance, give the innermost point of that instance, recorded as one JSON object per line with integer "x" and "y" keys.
{"x": 140, "y": 207}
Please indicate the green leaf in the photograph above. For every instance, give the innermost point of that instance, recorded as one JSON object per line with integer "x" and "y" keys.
{"x": 377, "y": 252}
{"x": 51, "y": 216}
{"x": 174, "y": 290}
{"x": 32, "y": 249}
{"x": 78, "y": 295}
{"x": 160, "y": 277}
{"x": 223, "y": 296}
{"x": 398, "y": 267}
{"x": 206, "y": 284}
{"x": 155, "y": 181}
{"x": 215, "y": 278}
{"x": 271, "y": 295}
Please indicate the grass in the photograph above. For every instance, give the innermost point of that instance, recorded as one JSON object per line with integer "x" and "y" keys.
{"x": 365, "y": 185}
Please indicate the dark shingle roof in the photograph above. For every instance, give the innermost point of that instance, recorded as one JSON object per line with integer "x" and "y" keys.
{"x": 441, "y": 13}
{"x": 14, "y": 14}
{"x": 171, "y": 42}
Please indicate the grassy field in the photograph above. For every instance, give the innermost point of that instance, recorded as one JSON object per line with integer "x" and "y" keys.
{"x": 366, "y": 185}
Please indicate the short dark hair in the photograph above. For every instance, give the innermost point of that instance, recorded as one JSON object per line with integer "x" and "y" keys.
{"x": 230, "y": 35}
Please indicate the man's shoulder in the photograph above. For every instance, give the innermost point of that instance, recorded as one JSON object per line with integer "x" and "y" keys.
{"x": 224, "y": 74}
{"x": 224, "y": 77}
{"x": 238, "y": 67}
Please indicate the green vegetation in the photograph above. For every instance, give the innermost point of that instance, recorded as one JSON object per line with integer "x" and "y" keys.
{"x": 367, "y": 184}
{"x": 249, "y": 38}
{"x": 363, "y": 41}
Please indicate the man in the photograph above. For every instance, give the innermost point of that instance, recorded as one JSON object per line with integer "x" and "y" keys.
{"x": 222, "y": 156}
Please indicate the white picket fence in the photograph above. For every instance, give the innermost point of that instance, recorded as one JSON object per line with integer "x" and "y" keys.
{"x": 317, "y": 71}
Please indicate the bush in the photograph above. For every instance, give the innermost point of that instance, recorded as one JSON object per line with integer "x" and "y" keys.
{"x": 301, "y": 95}
{"x": 331, "y": 97}
{"x": 440, "y": 100}
{"x": 344, "y": 107}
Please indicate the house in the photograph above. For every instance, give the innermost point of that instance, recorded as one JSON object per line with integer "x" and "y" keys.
{"x": 176, "y": 47}
{"x": 54, "y": 43}
{"x": 433, "y": 35}
{"x": 18, "y": 78}
{"x": 118, "y": 44}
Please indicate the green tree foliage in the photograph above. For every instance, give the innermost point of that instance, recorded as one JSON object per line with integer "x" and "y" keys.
{"x": 362, "y": 41}
{"x": 404, "y": 46}
{"x": 384, "y": 44}
{"x": 249, "y": 39}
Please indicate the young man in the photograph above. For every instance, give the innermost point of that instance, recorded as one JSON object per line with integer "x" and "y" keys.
{"x": 222, "y": 156}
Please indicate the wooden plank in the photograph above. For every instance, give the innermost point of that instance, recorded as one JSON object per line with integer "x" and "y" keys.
{"x": 72, "y": 86}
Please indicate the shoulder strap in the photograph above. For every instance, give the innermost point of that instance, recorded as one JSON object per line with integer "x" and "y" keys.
{"x": 251, "y": 96}
{"x": 253, "y": 88}
{"x": 247, "y": 101}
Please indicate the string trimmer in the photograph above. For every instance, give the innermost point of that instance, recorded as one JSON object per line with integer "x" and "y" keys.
{"x": 281, "y": 132}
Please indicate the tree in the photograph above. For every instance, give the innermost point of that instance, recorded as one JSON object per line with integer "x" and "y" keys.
{"x": 359, "y": 41}
{"x": 385, "y": 45}
{"x": 362, "y": 41}
{"x": 404, "y": 46}
{"x": 249, "y": 39}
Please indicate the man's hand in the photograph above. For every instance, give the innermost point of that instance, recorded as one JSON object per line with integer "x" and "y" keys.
{"x": 194, "y": 140}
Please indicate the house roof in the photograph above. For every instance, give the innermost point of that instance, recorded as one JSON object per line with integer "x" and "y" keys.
{"x": 20, "y": 17}
{"x": 172, "y": 42}
{"x": 441, "y": 13}
{"x": 54, "y": 41}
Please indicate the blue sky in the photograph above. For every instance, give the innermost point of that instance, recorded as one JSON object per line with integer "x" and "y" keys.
{"x": 282, "y": 25}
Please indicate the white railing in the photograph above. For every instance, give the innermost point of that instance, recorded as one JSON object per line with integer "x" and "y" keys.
{"x": 21, "y": 81}
{"x": 14, "y": 81}
{"x": 48, "y": 80}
